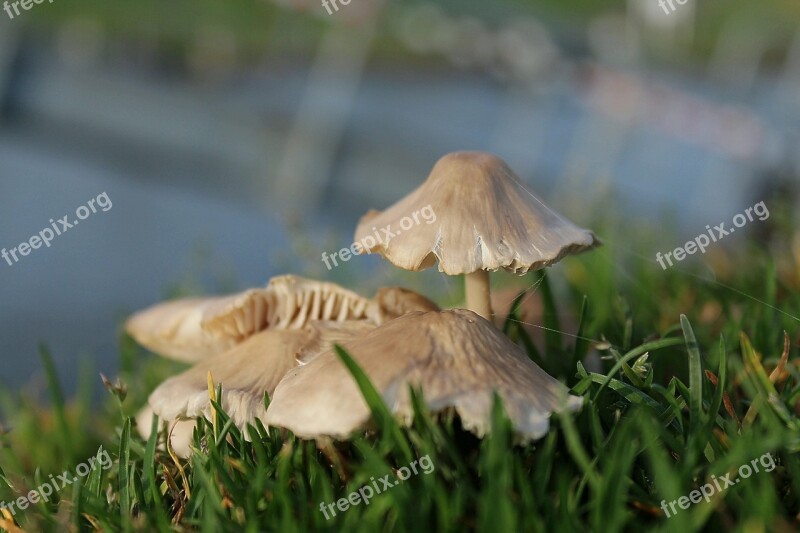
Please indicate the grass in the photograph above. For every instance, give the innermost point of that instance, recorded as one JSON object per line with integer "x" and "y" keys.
{"x": 683, "y": 380}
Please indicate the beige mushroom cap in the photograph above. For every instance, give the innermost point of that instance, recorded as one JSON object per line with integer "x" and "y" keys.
{"x": 247, "y": 371}
{"x": 193, "y": 329}
{"x": 190, "y": 329}
{"x": 484, "y": 220}
{"x": 457, "y": 358}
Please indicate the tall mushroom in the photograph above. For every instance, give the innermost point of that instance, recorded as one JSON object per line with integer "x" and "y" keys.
{"x": 484, "y": 220}
{"x": 457, "y": 358}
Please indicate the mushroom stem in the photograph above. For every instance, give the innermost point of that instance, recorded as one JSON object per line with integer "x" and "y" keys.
{"x": 476, "y": 285}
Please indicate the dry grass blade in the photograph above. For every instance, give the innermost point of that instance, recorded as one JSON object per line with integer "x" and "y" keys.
{"x": 212, "y": 396}
{"x": 178, "y": 463}
{"x": 327, "y": 448}
{"x": 726, "y": 400}
{"x": 764, "y": 385}
{"x": 7, "y": 522}
{"x": 780, "y": 374}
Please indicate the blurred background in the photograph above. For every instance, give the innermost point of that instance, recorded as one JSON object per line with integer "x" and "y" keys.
{"x": 238, "y": 140}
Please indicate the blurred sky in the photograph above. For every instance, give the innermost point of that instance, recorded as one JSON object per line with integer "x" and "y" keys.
{"x": 225, "y": 132}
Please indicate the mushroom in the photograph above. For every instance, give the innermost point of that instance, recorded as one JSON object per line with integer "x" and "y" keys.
{"x": 294, "y": 301}
{"x": 193, "y": 329}
{"x": 456, "y": 357}
{"x": 248, "y": 370}
{"x": 180, "y": 432}
{"x": 483, "y": 220}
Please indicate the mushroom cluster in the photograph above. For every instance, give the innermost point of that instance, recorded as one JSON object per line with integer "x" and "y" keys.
{"x": 279, "y": 340}
{"x": 249, "y": 341}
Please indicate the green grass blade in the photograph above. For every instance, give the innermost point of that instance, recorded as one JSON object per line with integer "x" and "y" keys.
{"x": 124, "y": 480}
{"x": 576, "y": 449}
{"x": 581, "y": 342}
{"x": 380, "y": 411}
{"x": 552, "y": 334}
{"x": 695, "y": 375}
{"x": 513, "y": 314}
{"x": 149, "y": 481}
{"x": 722, "y": 376}
{"x": 496, "y": 512}
{"x": 59, "y": 405}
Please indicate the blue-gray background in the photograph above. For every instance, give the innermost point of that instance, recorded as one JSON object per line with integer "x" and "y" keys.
{"x": 240, "y": 142}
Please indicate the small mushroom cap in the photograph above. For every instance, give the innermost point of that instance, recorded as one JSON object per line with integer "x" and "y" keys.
{"x": 392, "y": 302}
{"x": 483, "y": 219}
{"x": 456, "y": 357}
{"x": 193, "y": 329}
{"x": 247, "y": 371}
{"x": 180, "y": 431}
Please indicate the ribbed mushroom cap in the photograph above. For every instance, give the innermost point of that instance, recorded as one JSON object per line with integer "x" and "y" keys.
{"x": 247, "y": 371}
{"x": 484, "y": 220}
{"x": 296, "y": 301}
{"x": 456, "y": 357}
{"x": 193, "y": 329}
